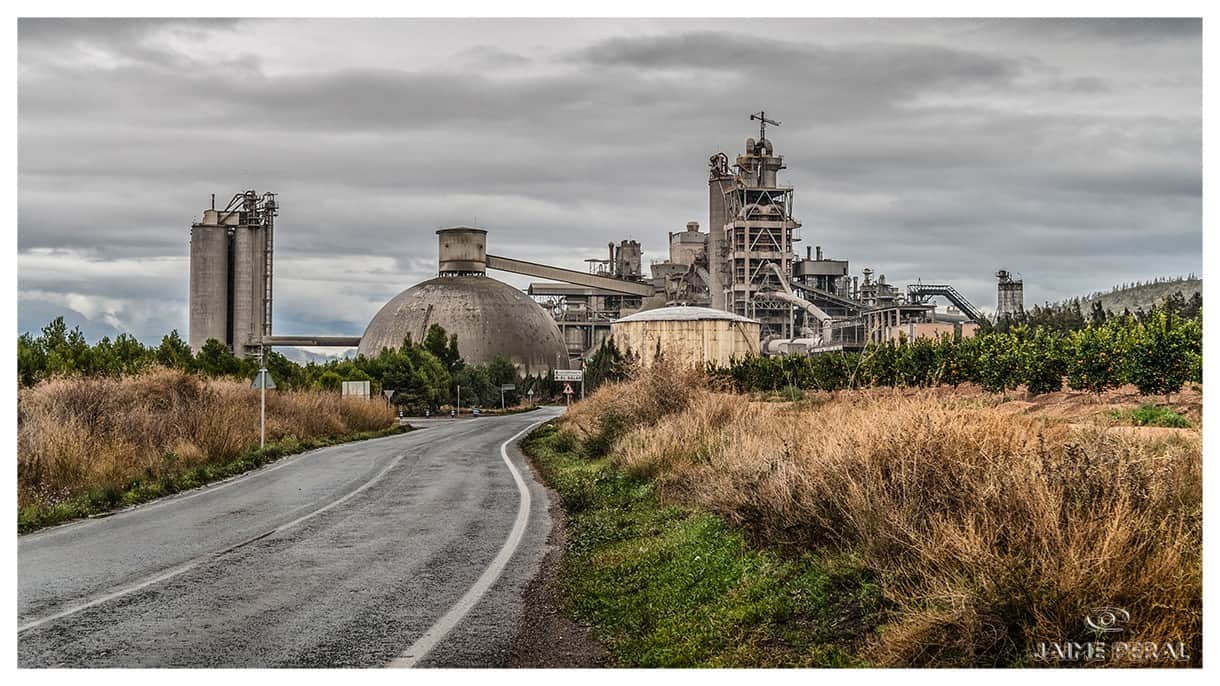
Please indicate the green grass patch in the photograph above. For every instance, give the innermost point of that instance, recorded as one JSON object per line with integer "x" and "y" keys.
{"x": 106, "y": 499}
{"x": 1151, "y": 415}
{"x": 675, "y": 587}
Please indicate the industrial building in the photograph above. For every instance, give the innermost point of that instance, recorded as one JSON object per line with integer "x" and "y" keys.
{"x": 488, "y": 316}
{"x": 746, "y": 265}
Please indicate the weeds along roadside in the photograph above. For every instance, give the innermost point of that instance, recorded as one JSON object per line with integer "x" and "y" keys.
{"x": 89, "y": 445}
{"x": 983, "y": 531}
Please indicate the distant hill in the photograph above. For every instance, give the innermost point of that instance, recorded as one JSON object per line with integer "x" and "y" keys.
{"x": 1144, "y": 295}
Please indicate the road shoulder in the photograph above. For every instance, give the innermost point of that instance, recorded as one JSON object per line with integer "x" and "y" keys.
{"x": 547, "y": 637}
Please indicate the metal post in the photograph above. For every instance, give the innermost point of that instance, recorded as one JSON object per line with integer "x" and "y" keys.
{"x": 459, "y": 401}
{"x": 262, "y": 409}
{"x": 582, "y": 387}
{"x": 501, "y": 397}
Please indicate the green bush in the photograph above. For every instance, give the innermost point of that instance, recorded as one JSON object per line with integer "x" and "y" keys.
{"x": 1163, "y": 354}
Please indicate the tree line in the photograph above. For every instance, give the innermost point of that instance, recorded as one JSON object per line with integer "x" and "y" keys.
{"x": 1157, "y": 351}
{"x": 424, "y": 375}
{"x": 1070, "y": 316}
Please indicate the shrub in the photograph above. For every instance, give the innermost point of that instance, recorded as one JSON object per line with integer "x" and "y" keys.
{"x": 1162, "y": 353}
{"x": 77, "y": 435}
{"x": 978, "y": 521}
{"x": 1097, "y": 355}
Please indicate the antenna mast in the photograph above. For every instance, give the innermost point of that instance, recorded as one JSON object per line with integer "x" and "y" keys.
{"x": 762, "y": 123}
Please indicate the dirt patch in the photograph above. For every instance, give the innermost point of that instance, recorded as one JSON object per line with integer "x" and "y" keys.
{"x": 547, "y": 637}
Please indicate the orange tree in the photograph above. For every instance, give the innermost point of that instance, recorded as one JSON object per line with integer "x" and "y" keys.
{"x": 1163, "y": 353}
{"x": 1044, "y": 360}
{"x": 1000, "y": 363}
{"x": 1097, "y": 357}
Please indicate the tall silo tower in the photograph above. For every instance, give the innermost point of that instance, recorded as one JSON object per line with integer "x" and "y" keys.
{"x": 1010, "y": 294}
{"x": 231, "y": 273}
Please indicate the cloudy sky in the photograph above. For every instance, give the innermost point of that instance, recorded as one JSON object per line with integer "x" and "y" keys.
{"x": 1067, "y": 151}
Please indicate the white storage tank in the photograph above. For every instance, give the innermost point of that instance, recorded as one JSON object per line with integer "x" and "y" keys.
{"x": 692, "y": 335}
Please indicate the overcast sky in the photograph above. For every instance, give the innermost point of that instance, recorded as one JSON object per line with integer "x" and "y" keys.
{"x": 1067, "y": 151}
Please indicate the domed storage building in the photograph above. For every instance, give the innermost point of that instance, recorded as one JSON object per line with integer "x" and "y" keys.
{"x": 693, "y": 335}
{"x": 489, "y": 317}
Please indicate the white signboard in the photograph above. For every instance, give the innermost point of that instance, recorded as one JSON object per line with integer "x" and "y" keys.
{"x": 508, "y": 387}
{"x": 569, "y": 375}
{"x": 359, "y": 389}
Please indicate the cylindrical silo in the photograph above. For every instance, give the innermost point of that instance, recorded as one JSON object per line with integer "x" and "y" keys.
{"x": 258, "y": 281}
{"x": 461, "y": 250}
{"x": 692, "y": 336}
{"x": 243, "y": 288}
{"x": 719, "y": 183}
{"x": 209, "y": 285}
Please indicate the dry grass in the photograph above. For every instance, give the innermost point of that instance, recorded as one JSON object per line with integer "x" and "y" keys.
{"x": 988, "y": 531}
{"x": 79, "y": 434}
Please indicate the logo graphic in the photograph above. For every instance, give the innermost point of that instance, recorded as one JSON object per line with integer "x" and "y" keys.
{"x": 1108, "y": 620}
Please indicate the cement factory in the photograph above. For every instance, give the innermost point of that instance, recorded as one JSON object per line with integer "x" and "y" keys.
{"x": 741, "y": 288}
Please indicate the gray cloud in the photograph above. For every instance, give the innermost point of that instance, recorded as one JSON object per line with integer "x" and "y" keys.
{"x": 1069, "y": 151}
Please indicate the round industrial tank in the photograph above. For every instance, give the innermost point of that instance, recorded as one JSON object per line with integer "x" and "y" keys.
{"x": 691, "y": 335}
{"x": 489, "y": 317}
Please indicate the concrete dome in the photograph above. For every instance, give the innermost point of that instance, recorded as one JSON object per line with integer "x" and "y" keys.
{"x": 489, "y": 317}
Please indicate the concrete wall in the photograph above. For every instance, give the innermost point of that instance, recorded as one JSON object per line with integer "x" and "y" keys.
{"x": 693, "y": 342}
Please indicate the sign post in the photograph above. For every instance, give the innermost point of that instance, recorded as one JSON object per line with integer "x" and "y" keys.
{"x": 262, "y": 408}
{"x": 262, "y": 381}
{"x": 567, "y": 375}
{"x": 531, "y": 395}
{"x": 505, "y": 387}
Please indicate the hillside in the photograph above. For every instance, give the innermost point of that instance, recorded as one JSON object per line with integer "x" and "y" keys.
{"x": 1143, "y": 295}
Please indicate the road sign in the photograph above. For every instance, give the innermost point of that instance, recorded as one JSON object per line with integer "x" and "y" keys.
{"x": 567, "y": 389}
{"x": 258, "y": 378}
{"x": 389, "y": 393}
{"x": 508, "y": 386}
{"x": 569, "y": 375}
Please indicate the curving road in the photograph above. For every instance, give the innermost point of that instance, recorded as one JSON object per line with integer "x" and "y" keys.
{"x": 400, "y": 551}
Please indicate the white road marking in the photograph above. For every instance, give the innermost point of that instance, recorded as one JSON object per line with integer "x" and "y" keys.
{"x": 424, "y": 645}
{"x": 187, "y": 566}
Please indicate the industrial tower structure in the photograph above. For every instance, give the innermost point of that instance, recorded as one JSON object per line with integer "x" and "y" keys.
{"x": 1010, "y": 295}
{"x": 231, "y": 273}
{"x": 751, "y": 232}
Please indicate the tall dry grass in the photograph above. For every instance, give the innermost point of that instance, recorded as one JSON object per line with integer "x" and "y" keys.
{"x": 987, "y": 531}
{"x": 79, "y": 434}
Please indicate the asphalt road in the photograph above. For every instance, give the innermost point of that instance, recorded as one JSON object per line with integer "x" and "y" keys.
{"x": 347, "y": 556}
